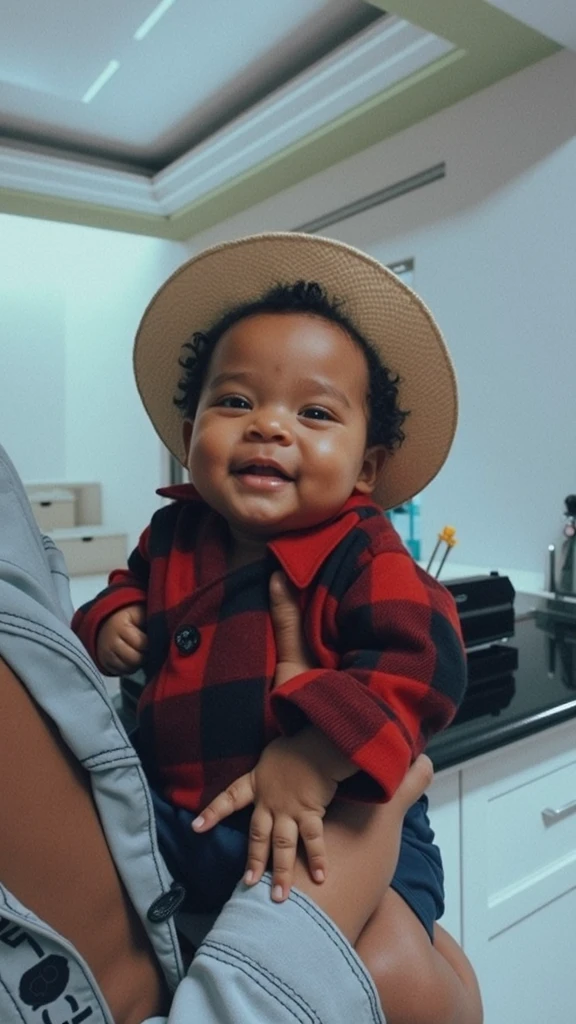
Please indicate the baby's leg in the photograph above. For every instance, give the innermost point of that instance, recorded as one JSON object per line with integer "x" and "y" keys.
{"x": 418, "y": 982}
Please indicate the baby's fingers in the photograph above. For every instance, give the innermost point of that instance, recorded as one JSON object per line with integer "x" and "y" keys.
{"x": 134, "y": 637}
{"x": 284, "y": 850}
{"x": 312, "y": 836}
{"x": 259, "y": 841}
{"x": 238, "y": 795}
{"x": 121, "y": 657}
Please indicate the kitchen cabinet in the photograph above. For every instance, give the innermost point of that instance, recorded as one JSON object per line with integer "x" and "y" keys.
{"x": 506, "y": 824}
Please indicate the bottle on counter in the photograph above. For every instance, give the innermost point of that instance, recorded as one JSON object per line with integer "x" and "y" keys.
{"x": 406, "y": 520}
{"x": 566, "y": 573}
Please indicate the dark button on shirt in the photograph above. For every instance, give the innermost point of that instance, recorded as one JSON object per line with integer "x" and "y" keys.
{"x": 187, "y": 639}
{"x": 167, "y": 904}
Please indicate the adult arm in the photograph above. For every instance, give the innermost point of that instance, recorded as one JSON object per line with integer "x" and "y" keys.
{"x": 264, "y": 963}
{"x": 253, "y": 967}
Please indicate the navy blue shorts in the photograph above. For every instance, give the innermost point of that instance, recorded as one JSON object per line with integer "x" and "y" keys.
{"x": 211, "y": 864}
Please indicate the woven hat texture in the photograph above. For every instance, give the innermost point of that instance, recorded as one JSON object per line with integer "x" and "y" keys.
{"x": 383, "y": 309}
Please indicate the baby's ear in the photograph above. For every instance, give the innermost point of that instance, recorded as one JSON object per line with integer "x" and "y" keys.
{"x": 374, "y": 459}
{"x": 187, "y": 427}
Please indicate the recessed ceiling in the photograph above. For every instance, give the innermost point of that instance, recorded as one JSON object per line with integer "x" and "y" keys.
{"x": 166, "y": 117}
{"x": 200, "y": 66}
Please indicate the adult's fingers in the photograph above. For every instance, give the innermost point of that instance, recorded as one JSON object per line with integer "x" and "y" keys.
{"x": 286, "y": 620}
{"x": 236, "y": 796}
{"x": 416, "y": 781}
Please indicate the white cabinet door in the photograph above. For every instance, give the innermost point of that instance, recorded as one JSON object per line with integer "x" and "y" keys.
{"x": 519, "y": 878}
{"x": 528, "y": 973}
{"x": 444, "y": 797}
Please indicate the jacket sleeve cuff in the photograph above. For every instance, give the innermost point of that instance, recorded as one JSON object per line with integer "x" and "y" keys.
{"x": 357, "y": 725}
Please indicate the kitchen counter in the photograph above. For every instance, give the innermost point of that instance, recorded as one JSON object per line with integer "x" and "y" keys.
{"x": 539, "y": 694}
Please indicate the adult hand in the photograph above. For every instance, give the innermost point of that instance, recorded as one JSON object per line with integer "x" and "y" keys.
{"x": 292, "y": 655}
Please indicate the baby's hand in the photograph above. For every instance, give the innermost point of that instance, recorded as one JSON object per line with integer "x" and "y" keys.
{"x": 121, "y": 641}
{"x": 291, "y": 786}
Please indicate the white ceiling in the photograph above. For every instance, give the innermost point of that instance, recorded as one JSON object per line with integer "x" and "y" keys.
{"x": 200, "y": 66}
{"x": 215, "y": 89}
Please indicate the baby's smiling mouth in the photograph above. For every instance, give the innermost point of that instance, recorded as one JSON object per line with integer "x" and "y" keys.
{"x": 264, "y": 469}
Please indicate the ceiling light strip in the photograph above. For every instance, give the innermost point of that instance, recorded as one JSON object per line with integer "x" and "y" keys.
{"x": 100, "y": 82}
{"x": 384, "y": 195}
{"x": 152, "y": 19}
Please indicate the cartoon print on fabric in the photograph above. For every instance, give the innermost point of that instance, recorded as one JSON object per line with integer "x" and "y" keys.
{"x": 45, "y": 981}
{"x": 42, "y": 983}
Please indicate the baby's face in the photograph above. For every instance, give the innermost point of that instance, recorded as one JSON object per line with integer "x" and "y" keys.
{"x": 279, "y": 438}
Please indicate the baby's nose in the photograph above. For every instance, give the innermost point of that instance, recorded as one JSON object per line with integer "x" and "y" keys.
{"x": 269, "y": 426}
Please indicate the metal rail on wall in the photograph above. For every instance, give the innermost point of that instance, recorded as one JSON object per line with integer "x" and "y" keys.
{"x": 383, "y": 195}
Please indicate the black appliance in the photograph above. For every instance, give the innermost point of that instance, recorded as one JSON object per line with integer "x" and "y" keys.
{"x": 486, "y": 611}
{"x": 485, "y": 607}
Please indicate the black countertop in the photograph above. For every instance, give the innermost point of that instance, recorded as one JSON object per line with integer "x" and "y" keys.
{"x": 539, "y": 694}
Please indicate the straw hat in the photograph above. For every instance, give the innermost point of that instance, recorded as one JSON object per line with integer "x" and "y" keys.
{"x": 383, "y": 309}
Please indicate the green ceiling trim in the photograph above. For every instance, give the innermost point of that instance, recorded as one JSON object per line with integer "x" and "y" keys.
{"x": 473, "y": 24}
{"x": 379, "y": 117}
{"x": 68, "y": 211}
{"x": 490, "y": 45}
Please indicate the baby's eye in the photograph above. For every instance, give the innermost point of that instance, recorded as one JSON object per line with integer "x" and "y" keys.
{"x": 316, "y": 412}
{"x": 233, "y": 402}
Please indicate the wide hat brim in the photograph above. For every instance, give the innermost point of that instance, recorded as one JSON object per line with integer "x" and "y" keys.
{"x": 382, "y": 308}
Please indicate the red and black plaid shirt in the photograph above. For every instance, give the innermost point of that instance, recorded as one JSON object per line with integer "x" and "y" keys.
{"x": 384, "y": 634}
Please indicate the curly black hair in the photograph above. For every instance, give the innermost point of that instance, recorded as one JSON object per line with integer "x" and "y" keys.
{"x": 385, "y": 416}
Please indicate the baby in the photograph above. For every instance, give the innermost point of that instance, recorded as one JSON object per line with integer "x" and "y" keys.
{"x": 306, "y": 389}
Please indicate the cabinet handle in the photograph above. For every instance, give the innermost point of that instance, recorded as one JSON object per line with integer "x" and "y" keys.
{"x": 551, "y": 816}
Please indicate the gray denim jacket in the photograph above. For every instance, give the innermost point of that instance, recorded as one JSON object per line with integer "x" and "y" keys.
{"x": 36, "y": 642}
{"x": 259, "y": 963}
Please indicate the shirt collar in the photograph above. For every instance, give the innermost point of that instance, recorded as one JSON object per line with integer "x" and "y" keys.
{"x": 302, "y": 553}
{"x": 180, "y": 492}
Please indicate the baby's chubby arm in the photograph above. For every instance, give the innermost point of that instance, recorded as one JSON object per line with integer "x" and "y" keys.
{"x": 121, "y": 641}
{"x": 112, "y": 625}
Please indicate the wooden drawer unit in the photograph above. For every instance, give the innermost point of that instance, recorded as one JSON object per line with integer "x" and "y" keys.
{"x": 90, "y": 550}
{"x": 53, "y": 509}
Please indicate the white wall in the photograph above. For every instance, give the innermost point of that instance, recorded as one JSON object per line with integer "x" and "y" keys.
{"x": 495, "y": 251}
{"x": 32, "y": 363}
{"x": 71, "y": 298}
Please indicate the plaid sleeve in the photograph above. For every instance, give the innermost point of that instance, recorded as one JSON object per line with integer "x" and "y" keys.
{"x": 401, "y": 676}
{"x": 125, "y": 587}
